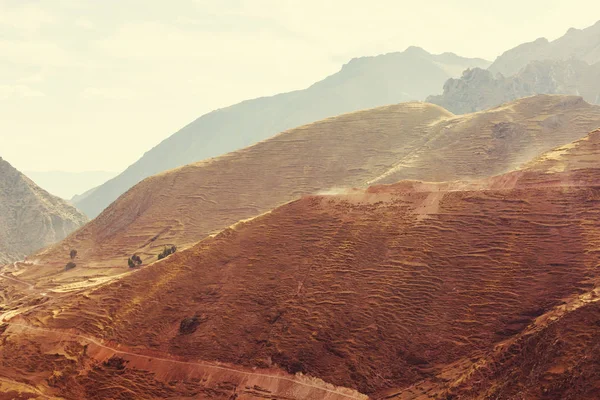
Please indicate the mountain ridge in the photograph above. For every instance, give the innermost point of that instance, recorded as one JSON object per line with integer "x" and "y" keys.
{"x": 583, "y": 44}
{"x": 381, "y": 145}
{"x": 398, "y": 291}
{"x": 362, "y": 83}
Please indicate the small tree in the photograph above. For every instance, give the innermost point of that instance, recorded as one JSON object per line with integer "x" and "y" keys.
{"x": 73, "y": 254}
{"x": 167, "y": 251}
{"x": 189, "y": 325}
{"x": 134, "y": 261}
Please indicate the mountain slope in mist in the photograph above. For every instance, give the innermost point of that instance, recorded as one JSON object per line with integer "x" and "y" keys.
{"x": 581, "y": 44}
{"x": 362, "y": 83}
{"x": 478, "y": 89}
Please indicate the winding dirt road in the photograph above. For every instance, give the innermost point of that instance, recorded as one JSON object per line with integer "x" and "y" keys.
{"x": 98, "y": 342}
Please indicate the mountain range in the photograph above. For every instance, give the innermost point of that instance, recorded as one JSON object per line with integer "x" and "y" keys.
{"x": 568, "y": 65}
{"x": 483, "y": 288}
{"x": 362, "y": 83}
{"x": 382, "y": 145}
{"x": 479, "y": 90}
{"x": 306, "y": 246}
{"x": 580, "y": 44}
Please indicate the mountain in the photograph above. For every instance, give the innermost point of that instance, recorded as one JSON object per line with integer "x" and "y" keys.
{"x": 30, "y": 217}
{"x": 581, "y": 44}
{"x": 568, "y": 65}
{"x": 478, "y": 89}
{"x": 382, "y": 145}
{"x": 362, "y": 83}
{"x": 466, "y": 289}
{"x": 69, "y": 184}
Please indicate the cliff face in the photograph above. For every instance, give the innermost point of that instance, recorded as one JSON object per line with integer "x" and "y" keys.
{"x": 480, "y": 89}
{"x": 30, "y": 217}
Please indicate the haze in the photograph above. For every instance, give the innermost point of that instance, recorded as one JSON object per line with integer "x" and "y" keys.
{"x": 90, "y": 85}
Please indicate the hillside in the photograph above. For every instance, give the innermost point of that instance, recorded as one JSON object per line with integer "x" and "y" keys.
{"x": 410, "y": 290}
{"x": 581, "y": 44}
{"x": 478, "y": 89}
{"x": 362, "y": 83}
{"x": 30, "y": 217}
{"x": 382, "y": 145}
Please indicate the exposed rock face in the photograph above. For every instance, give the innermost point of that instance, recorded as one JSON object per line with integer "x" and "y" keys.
{"x": 581, "y": 44}
{"x": 362, "y": 83}
{"x": 30, "y": 217}
{"x": 479, "y": 89}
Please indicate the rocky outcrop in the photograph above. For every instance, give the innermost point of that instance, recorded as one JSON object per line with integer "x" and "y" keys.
{"x": 30, "y": 217}
{"x": 479, "y": 89}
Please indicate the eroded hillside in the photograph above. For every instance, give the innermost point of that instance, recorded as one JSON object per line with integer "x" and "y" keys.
{"x": 362, "y": 83}
{"x": 383, "y": 145}
{"x": 411, "y": 290}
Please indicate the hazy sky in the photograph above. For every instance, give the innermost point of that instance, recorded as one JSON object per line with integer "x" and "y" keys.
{"x": 93, "y": 84}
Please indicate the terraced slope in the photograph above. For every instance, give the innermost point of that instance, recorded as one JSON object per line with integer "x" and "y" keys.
{"x": 362, "y": 83}
{"x": 410, "y": 140}
{"x": 392, "y": 290}
{"x": 30, "y": 217}
{"x": 497, "y": 140}
{"x": 472, "y": 289}
{"x": 551, "y": 360}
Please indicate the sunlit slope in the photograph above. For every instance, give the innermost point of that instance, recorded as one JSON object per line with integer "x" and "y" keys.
{"x": 372, "y": 289}
{"x": 185, "y": 205}
{"x": 362, "y": 83}
{"x": 410, "y": 140}
{"x": 498, "y": 140}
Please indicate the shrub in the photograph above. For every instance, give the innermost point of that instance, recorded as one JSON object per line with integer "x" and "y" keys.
{"x": 167, "y": 251}
{"x": 73, "y": 254}
{"x": 134, "y": 261}
{"x": 70, "y": 265}
{"x": 115, "y": 363}
{"x": 189, "y": 325}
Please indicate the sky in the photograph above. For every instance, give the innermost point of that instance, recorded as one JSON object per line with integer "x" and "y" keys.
{"x": 92, "y": 85}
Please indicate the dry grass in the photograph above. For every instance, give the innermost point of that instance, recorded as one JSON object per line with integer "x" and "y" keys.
{"x": 382, "y": 145}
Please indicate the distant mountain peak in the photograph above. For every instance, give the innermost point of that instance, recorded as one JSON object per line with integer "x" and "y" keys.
{"x": 579, "y": 43}
{"x": 415, "y": 50}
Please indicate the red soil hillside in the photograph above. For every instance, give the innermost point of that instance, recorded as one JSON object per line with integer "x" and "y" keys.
{"x": 413, "y": 290}
{"x": 413, "y": 140}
